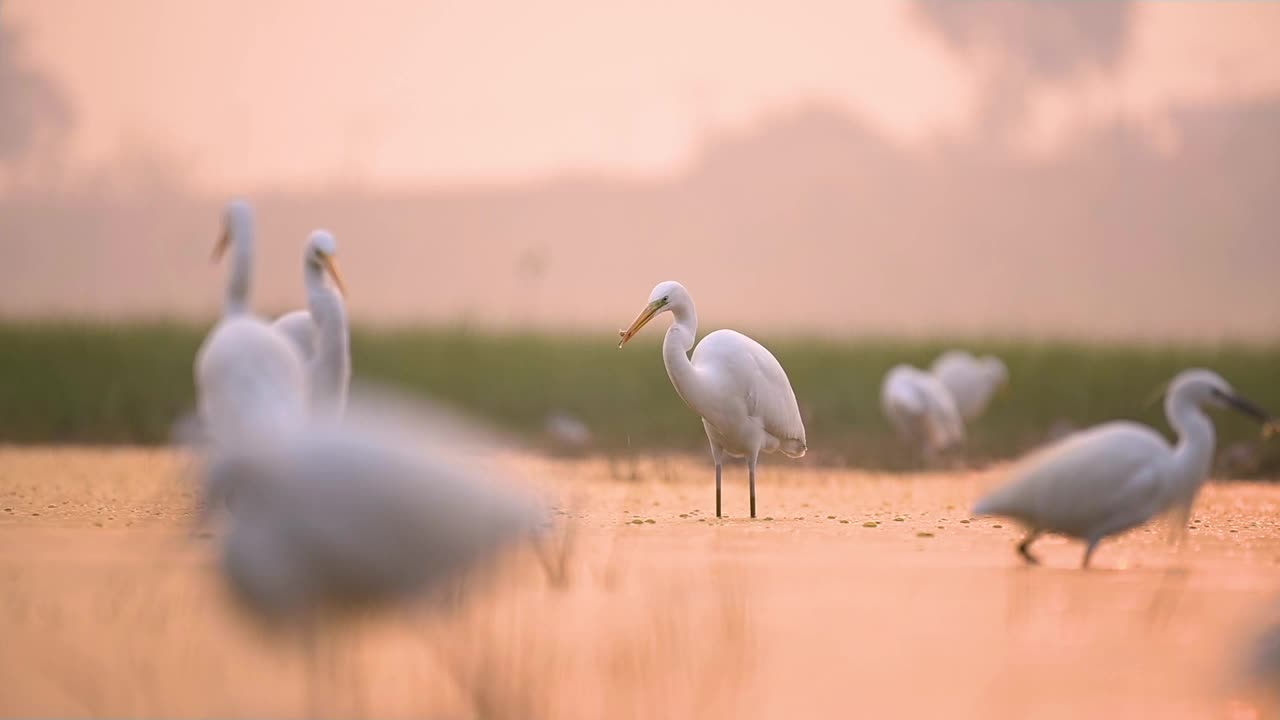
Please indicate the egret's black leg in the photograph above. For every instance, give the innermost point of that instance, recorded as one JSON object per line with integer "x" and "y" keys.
{"x": 1024, "y": 547}
{"x": 752, "y": 470}
{"x": 1088, "y": 553}
{"x": 717, "y": 489}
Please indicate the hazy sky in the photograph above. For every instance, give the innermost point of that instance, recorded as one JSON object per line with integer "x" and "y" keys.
{"x": 1051, "y": 168}
{"x": 248, "y": 93}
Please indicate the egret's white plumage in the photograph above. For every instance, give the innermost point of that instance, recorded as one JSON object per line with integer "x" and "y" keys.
{"x": 972, "y": 381}
{"x": 320, "y": 332}
{"x": 249, "y": 378}
{"x": 735, "y": 384}
{"x": 921, "y": 410}
{"x": 300, "y": 329}
{"x": 360, "y": 512}
{"x": 332, "y": 519}
{"x": 1116, "y": 476}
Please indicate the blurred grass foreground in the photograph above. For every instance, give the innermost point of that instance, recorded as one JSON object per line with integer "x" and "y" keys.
{"x": 67, "y": 383}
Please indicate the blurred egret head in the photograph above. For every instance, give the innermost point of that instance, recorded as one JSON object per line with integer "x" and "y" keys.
{"x": 322, "y": 249}
{"x": 1206, "y": 388}
{"x": 236, "y": 221}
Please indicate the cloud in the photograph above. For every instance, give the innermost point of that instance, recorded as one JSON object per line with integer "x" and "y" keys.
{"x": 1028, "y": 44}
{"x": 1050, "y": 41}
{"x": 35, "y": 115}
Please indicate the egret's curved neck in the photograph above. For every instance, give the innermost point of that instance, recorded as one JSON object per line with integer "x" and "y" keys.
{"x": 237, "y": 299}
{"x": 330, "y": 366}
{"x": 1194, "y": 452}
{"x": 675, "y": 352}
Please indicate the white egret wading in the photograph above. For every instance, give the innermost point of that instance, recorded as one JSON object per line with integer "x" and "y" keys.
{"x": 320, "y": 332}
{"x": 249, "y": 378}
{"x": 1116, "y": 476}
{"x": 921, "y": 411}
{"x": 972, "y": 381}
{"x": 733, "y": 382}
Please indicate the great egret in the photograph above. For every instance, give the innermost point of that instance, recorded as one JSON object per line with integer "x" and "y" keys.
{"x": 250, "y": 379}
{"x": 334, "y": 519}
{"x": 1116, "y": 476}
{"x": 358, "y": 512}
{"x": 733, "y": 382}
{"x": 921, "y": 410}
{"x": 320, "y": 332}
{"x": 972, "y": 381}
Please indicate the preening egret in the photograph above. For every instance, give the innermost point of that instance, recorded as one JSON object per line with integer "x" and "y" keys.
{"x": 921, "y": 410}
{"x": 320, "y": 332}
{"x": 733, "y": 382}
{"x": 249, "y": 378}
{"x": 1116, "y": 476}
{"x": 972, "y": 381}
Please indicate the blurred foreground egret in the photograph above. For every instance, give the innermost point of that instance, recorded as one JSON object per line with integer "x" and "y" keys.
{"x": 249, "y": 378}
{"x": 320, "y": 332}
{"x": 334, "y": 519}
{"x": 359, "y": 512}
{"x": 972, "y": 381}
{"x": 733, "y": 382}
{"x": 921, "y": 410}
{"x": 1116, "y": 476}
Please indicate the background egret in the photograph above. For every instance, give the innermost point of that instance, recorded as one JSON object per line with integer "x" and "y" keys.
{"x": 1108, "y": 479}
{"x": 249, "y": 378}
{"x": 921, "y": 410}
{"x": 566, "y": 432}
{"x": 320, "y": 332}
{"x": 972, "y": 381}
{"x": 733, "y": 382}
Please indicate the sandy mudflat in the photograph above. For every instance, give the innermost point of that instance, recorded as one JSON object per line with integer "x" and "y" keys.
{"x": 108, "y": 606}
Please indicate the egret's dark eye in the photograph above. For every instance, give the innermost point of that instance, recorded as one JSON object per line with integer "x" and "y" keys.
{"x": 666, "y": 298}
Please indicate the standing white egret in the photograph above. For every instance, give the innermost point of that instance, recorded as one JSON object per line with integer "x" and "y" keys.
{"x": 733, "y": 382}
{"x": 320, "y": 332}
{"x": 921, "y": 410}
{"x": 250, "y": 380}
{"x": 1116, "y": 476}
{"x": 972, "y": 381}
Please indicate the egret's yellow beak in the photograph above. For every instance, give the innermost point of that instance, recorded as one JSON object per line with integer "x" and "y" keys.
{"x": 332, "y": 268}
{"x": 644, "y": 317}
{"x": 224, "y": 240}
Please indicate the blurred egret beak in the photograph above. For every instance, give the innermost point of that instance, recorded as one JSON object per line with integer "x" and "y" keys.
{"x": 644, "y": 317}
{"x": 224, "y": 240}
{"x": 1247, "y": 408}
{"x": 331, "y": 267}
